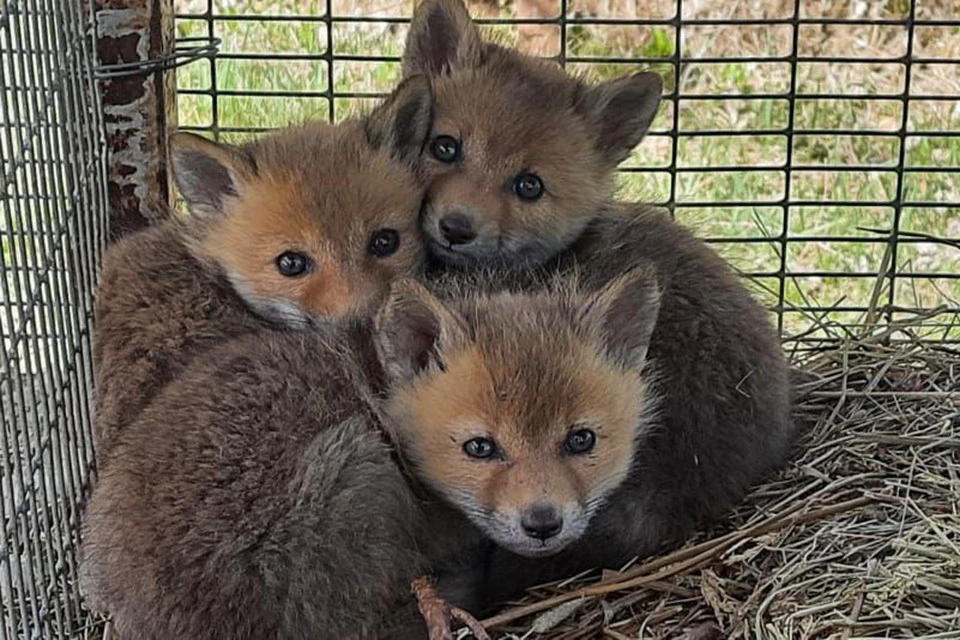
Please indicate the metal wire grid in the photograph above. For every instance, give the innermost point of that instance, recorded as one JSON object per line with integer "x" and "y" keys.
{"x": 782, "y": 234}
{"x": 53, "y": 225}
{"x": 54, "y": 218}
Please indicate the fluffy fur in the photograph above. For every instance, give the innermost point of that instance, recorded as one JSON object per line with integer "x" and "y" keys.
{"x": 714, "y": 360}
{"x": 157, "y": 307}
{"x": 256, "y": 497}
{"x": 716, "y": 366}
{"x": 317, "y": 189}
{"x": 274, "y": 508}
{"x": 516, "y": 115}
{"x": 523, "y": 372}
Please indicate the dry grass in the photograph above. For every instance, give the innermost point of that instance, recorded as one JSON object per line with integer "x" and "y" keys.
{"x": 859, "y": 537}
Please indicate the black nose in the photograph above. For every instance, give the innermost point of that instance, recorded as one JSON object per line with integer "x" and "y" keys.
{"x": 457, "y": 228}
{"x": 541, "y": 521}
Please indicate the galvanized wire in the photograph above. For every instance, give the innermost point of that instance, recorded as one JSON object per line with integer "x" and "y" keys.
{"x": 211, "y": 17}
{"x": 52, "y": 228}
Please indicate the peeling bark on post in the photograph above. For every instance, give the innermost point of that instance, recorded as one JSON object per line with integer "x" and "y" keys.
{"x": 139, "y": 110}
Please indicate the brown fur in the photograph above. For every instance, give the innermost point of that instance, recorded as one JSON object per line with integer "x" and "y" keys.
{"x": 318, "y": 189}
{"x": 271, "y": 508}
{"x": 517, "y": 114}
{"x": 256, "y": 498}
{"x": 724, "y": 414}
{"x": 156, "y": 308}
{"x": 524, "y": 371}
{"x": 724, "y": 403}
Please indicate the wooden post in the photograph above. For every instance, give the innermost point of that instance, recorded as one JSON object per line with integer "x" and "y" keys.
{"x": 139, "y": 109}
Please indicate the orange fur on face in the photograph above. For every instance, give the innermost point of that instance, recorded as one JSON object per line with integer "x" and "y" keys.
{"x": 512, "y": 116}
{"x": 320, "y": 191}
{"x": 525, "y": 383}
{"x": 508, "y": 127}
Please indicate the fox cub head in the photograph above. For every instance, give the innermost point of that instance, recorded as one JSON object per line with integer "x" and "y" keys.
{"x": 312, "y": 221}
{"x": 521, "y": 154}
{"x": 522, "y": 410}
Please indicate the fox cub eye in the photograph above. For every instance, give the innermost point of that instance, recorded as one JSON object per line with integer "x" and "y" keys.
{"x": 445, "y": 149}
{"x": 292, "y": 264}
{"x": 480, "y": 448}
{"x": 580, "y": 441}
{"x": 384, "y": 242}
{"x": 528, "y": 186}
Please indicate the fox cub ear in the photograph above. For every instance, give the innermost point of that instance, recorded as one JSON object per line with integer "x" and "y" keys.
{"x": 621, "y": 111}
{"x": 441, "y": 37}
{"x": 623, "y": 315}
{"x": 403, "y": 120}
{"x": 414, "y": 330}
{"x": 207, "y": 173}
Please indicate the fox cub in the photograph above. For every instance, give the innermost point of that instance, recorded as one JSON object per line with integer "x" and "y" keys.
{"x": 522, "y": 155}
{"x": 521, "y": 173}
{"x": 719, "y": 379}
{"x": 304, "y": 224}
{"x": 258, "y": 496}
{"x": 523, "y": 410}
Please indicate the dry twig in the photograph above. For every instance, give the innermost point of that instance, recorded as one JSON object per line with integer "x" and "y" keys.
{"x": 439, "y": 614}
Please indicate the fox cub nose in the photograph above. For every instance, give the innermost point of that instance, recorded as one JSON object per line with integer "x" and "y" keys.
{"x": 457, "y": 228}
{"x": 541, "y": 521}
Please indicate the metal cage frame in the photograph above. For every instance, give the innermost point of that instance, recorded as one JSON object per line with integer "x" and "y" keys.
{"x": 53, "y": 228}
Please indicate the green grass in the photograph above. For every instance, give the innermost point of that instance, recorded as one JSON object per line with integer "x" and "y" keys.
{"x": 866, "y": 190}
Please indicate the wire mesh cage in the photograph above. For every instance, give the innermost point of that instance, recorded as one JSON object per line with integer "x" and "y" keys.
{"x": 815, "y": 142}
{"x": 52, "y": 227}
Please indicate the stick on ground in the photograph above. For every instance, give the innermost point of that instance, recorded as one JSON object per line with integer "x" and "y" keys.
{"x": 439, "y": 614}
